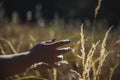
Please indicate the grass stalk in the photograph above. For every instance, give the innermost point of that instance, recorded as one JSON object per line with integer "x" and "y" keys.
{"x": 112, "y": 71}
{"x": 95, "y": 18}
{"x": 9, "y": 44}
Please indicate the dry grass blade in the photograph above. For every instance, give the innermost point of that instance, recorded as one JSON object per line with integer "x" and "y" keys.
{"x": 91, "y": 51}
{"x": 77, "y": 74}
{"x": 103, "y": 55}
{"x": 75, "y": 50}
{"x": 89, "y": 60}
{"x": 82, "y": 44}
{"x": 9, "y": 44}
{"x": 2, "y": 50}
{"x": 83, "y": 51}
{"x": 97, "y": 9}
{"x": 95, "y": 16}
{"x": 112, "y": 71}
{"x": 102, "y": 51}
{"x": 33, "y": 41}
{"x": 54, "y": 74}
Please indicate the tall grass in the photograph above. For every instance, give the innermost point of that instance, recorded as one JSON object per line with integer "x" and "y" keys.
{"x": 90, "y": 58}
{"x": 92, "y": 67}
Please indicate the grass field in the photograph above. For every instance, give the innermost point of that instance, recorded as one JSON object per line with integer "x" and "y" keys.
{"x": 95, "y": 57}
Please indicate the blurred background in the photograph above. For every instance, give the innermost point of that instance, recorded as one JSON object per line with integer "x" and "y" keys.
{"x": 24, "y": 23}
{"x": 45, "y": 11}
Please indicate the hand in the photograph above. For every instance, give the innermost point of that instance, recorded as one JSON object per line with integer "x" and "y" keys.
{"x": 48, "y": 51}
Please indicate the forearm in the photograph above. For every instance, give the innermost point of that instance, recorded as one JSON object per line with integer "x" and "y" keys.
{"x": 13, "y": 64}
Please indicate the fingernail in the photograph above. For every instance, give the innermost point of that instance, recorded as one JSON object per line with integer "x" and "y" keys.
{"x": 60, "y": 56}
{"x": 67, "y": 40}
{"x": 67, "y": 48}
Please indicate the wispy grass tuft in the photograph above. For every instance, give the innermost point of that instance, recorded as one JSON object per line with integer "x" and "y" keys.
{"x": 88, "y": 63}
{"x": 91, "y": 67}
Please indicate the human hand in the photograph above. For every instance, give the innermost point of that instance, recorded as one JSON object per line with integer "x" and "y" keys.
{"x": 48, "y": 52}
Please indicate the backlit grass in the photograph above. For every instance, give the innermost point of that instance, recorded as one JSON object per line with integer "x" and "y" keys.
{"x": 89, "y": 60}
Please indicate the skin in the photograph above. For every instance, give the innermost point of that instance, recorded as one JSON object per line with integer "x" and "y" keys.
{"x": 47, "y": 52}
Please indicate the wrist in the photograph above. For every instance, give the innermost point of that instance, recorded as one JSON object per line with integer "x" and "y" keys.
{"x": 33, "y": 58}
{"x": 27, "y": 57}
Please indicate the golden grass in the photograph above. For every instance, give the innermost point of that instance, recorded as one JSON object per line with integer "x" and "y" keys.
{"x": 93, "y": 57}
{"x": 88, "y": 61}
{"x": 89, "y": 57}
{"x": 91, "y": 65}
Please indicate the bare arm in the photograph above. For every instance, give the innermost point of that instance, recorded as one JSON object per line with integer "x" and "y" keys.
{"x": 12, "y": 64}
{"x": 44, "y": 52}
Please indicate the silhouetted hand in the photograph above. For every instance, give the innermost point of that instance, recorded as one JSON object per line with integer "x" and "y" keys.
{"x": 48, "y": 52}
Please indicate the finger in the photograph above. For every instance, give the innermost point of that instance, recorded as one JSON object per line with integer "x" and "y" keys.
{"x": 63, "y": 50}
{"x": 61, "y": 43}
{"x": 59, "y": 58}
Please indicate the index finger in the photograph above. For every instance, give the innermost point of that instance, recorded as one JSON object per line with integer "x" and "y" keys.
{"x": 61, "y": 43}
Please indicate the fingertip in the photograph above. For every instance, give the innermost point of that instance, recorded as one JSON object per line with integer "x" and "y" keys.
{"x": 63, "y": 50}
{"x": 59, "y": 58}
{"x": 61, "y": 43}
{"x": 66, "y": 49}
{"x": 66, "y": 40}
